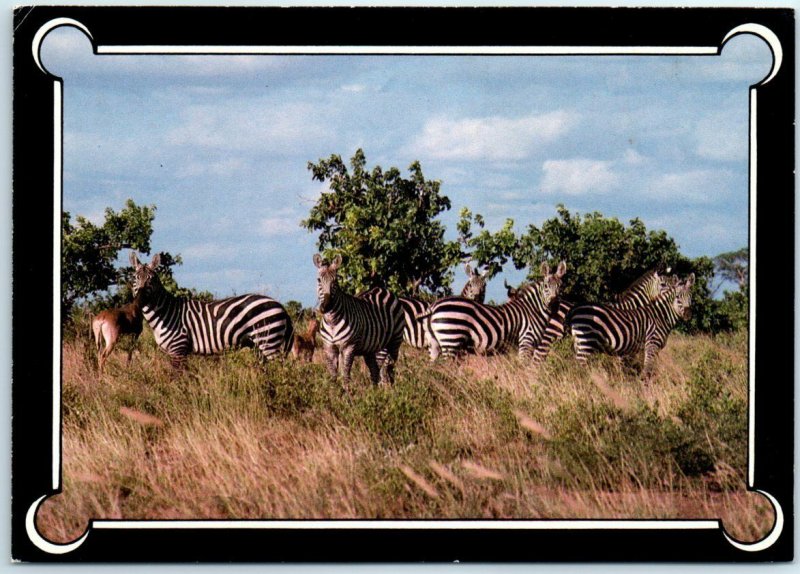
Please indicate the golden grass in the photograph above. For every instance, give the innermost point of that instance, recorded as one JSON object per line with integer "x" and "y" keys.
{"x": 475, "y": 438}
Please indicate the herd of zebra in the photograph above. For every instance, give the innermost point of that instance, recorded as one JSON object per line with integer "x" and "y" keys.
{"x": 375, "y": 323}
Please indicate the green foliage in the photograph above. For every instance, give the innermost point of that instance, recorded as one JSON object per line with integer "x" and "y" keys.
{"x": 733, "y": 266}
{"x": 712, "y": 410}
{"x": 89, "y": 252}
{"x": 604, "y": 256}
{"x": 490, "y": 250}
{"x": 383, "y": 225}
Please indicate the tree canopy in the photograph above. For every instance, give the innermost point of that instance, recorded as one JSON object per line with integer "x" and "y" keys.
{"x": 89, "y": 254}
{"x": 384, "y": 225}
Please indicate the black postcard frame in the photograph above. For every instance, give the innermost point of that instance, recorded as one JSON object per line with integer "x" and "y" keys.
{"x": 34, "y": 140}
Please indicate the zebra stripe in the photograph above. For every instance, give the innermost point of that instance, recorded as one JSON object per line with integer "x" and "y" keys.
{"x": 454, "y": 323}
{"x": 369, "y": 325}
{"x": 183, "y": 326}
{"x": 641, "y": 292}
{"x": 606, "y": 329}
{"x": 414, "y": 331}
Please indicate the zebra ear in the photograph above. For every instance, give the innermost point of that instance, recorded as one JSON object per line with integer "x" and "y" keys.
{"x": 468, "y": 269}
{"x": 336, "y": 262}
{"x": 562, "y": 268}
{"x": 156, "y": 261}
{"x": 545, "y": 269}
{"x": 485, "y": 273}
{"x": 690, "y": 281}
{"x": 135, "y": 260}
{"x": 317, "y": 260}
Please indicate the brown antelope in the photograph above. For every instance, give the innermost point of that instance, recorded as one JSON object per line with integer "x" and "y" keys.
{"x": 108, "y": 325}
{"x": 304, "y": 344}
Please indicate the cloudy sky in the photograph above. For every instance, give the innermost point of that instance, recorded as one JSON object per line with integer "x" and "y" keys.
{"x": 220, "y": 145}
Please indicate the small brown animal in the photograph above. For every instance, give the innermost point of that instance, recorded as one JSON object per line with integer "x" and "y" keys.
{"x": 110, "y": 324}
{"x": 304, "y": 344}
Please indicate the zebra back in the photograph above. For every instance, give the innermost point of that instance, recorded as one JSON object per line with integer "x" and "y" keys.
{"x": 611, "y": 330}
{"x": 456, "y": 323}
{"x": 641, "y": 292}
{"x": 184, "y": 326}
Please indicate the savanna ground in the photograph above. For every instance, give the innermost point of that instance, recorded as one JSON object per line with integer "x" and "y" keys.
{"x": 477, "y": 438}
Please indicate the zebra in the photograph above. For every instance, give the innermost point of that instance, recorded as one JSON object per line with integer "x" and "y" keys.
{"x": 456, "y": 323}
{"x": 369, "y": 324}
{"x": 642, "y": 291}
{"x": 184, "y": 326}
{"x": 414, "y": 331}
{"x": 598, "y": 328}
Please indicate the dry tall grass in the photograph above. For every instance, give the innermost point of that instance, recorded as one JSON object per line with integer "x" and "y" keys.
{"x": 476, "y": 438}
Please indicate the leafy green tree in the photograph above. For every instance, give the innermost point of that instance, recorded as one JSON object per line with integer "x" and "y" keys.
{"x": 491, "y": 251}
{"x": 604, "y": 256}
{"x": 89, "y": 253}
{"x": 734, "y": 267}
{"x": 383, "y": 225}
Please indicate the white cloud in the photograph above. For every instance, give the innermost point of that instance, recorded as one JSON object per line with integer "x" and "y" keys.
{"x": 493, "y": 138}
{"x": 578, "y": 176}
{"x": 249, "y": 125}
{"x": 204, "y": 251}
{"x": 701, "y": 232}
{"x": 281, "y": 222}
{"x": 223, "y": 167}
{"x": 354, "y": 88}
{"x": 696, "y": 186}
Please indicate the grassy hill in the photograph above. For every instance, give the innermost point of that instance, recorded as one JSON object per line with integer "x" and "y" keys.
{"x": 474, "y": 438}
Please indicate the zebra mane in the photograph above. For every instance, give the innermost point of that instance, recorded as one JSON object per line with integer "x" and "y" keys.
{"x": 647, "y": 276}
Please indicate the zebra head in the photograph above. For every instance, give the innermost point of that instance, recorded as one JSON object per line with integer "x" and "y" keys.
{"x": 145, "y": 278}
{"x": 327, "y": 284}
{"x": 475, "y": 288}
{"x": 512, "y": 292}
{"x": 682, "y": 304}
{"x": 551, "y": 283}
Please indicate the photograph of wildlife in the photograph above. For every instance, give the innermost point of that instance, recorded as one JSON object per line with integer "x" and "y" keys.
{"x": 404, "y": 286}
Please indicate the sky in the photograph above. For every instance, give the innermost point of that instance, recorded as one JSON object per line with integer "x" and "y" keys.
{"x": 220, "y": 144}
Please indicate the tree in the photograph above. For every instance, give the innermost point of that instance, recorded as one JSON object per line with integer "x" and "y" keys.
{"x": 734, "y": 266}
{"x": 383, "y": 225}
{"x": 89, "y": 252}
{"x": 604, "y": 256}
{"x": 490, "y": 250}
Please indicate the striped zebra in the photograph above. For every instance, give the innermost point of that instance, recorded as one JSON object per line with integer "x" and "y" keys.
{"x": 641, "y": 292}
{"x": 606, "y": 329}
{"x": 370, "y": 325}
{"x": 183, "y": 326}
{"x": 414, "y": 331}
{"x": 455, "y": 323}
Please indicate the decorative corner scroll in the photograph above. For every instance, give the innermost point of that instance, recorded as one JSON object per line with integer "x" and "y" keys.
{"x": 40, "y": 541}
{"x": 769, "y": 539}
{"x": 39, "y": 37}
{"x": 769, "y": 37}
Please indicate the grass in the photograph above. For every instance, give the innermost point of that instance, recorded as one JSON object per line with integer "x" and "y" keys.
{"x": 474, "y": 438}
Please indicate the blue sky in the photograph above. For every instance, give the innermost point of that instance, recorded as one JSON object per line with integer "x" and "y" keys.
{"x": 220, "y": 145}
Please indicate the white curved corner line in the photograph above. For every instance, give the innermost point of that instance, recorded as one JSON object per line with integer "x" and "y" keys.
{"x": 769, "y": 37}
{"x": 40, "y": 542}
{"x": 38, "y": 38}
{"x": 771, "y": 538}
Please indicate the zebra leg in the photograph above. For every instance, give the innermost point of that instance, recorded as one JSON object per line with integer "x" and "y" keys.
{"x": 375, "y": 370}
{"x": 348, "y": 355}
{"x": 650, "y": 353}
{"x": 332, "y": 360}
{"x": 387, "y": 367}
{"x": 178, "y": 362}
